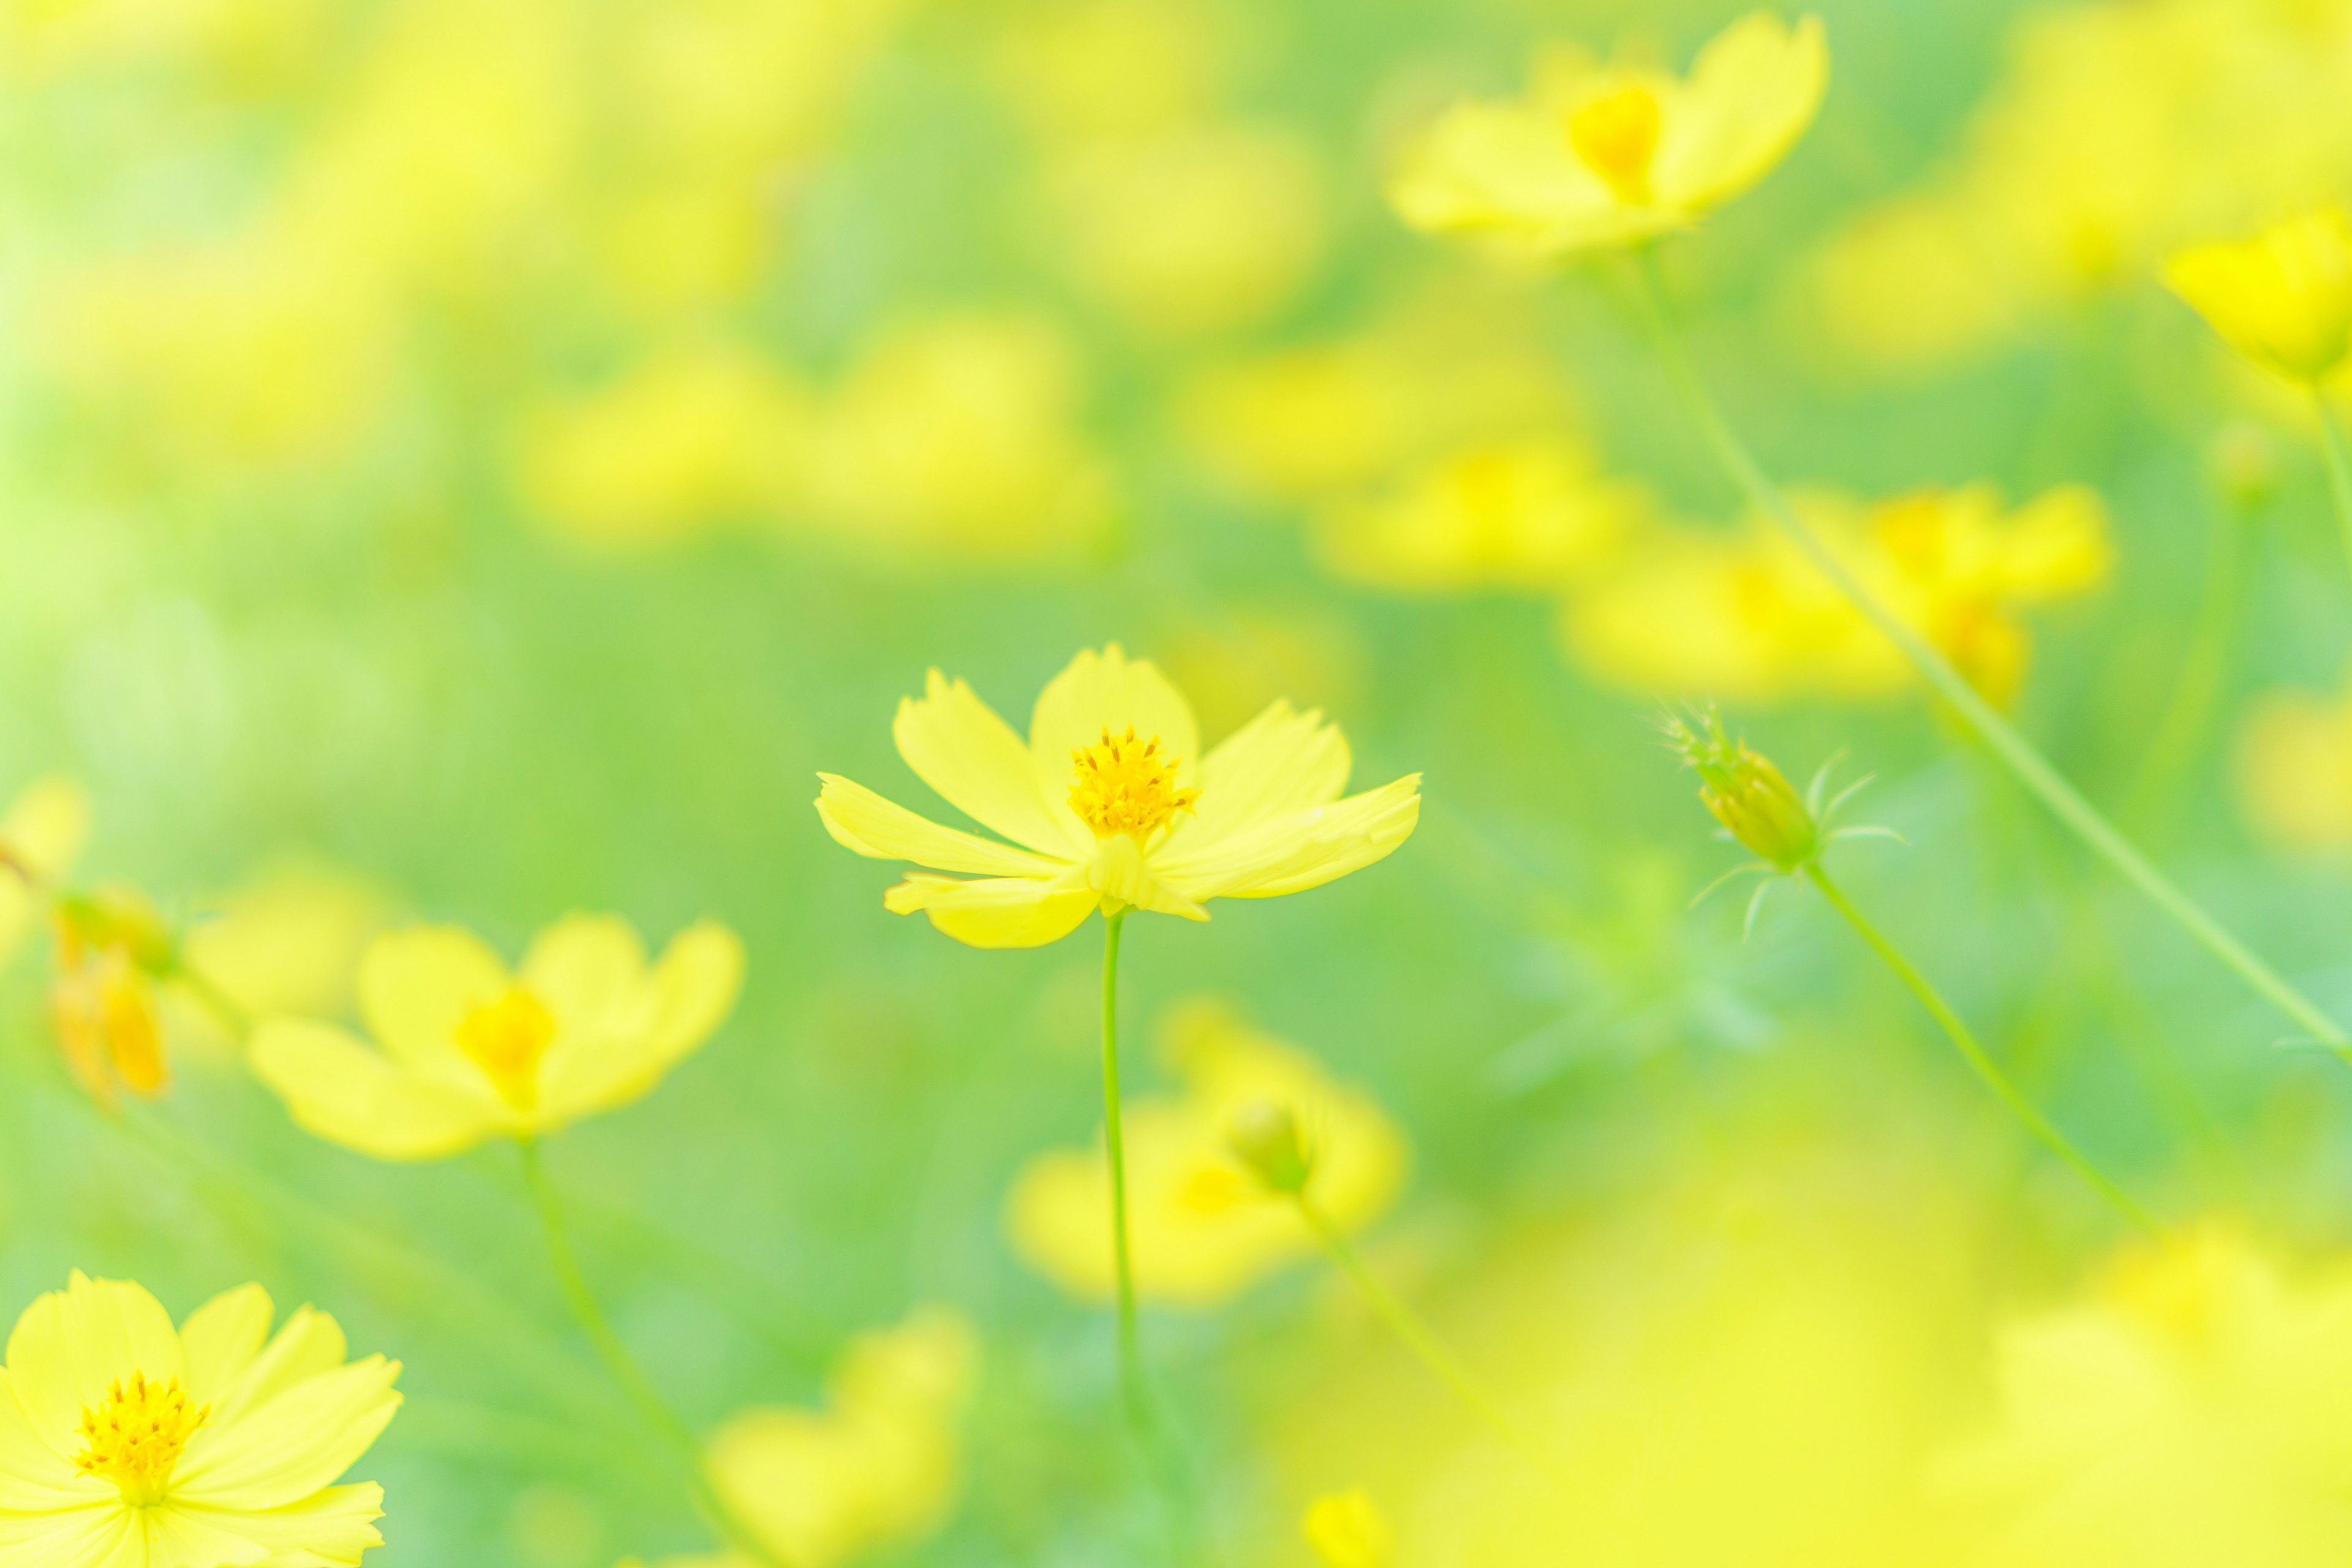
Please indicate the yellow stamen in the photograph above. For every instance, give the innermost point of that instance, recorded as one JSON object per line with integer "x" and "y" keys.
{"x": 1616, "y": 134}
{"x": 135, "y": 1437}
{"x": 506, "y": 1039}
{"x": 1125, "y": 785}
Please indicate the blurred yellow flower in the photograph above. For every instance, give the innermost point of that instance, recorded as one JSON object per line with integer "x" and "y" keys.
{"x": 127, "y": 1444}
{"x": 1204, "y": 1229}
{"x": 2294, "y": 768}
{"x": 40, "y": 838}
{"x": 112, "y": 950}
{"x": 880, "y": 1466}
{"x": 1745, "y": 616}
{"x": 1347, "y": 1531}
{"x": 470, "y": 1051}
{"x": 288, "y": 941}
{"x": 1111, "y": 806}
{"x": 689, "y": 439}
{"x": 1604, "y": 155}
{"x": 958, "y": 437}
{"x": 1107, "y": 70}
{"x": 2283, "y": 299}
{"x": 2191, "y": 1412}
{"x": 1532, "y": 514}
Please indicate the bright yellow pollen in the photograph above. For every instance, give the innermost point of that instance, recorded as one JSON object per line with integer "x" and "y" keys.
{"x": 1125, "y": 785}
{"x": 135, "y": 1437}
{"x": 506, "y": 1039}
{"x": 1616, "y": 134}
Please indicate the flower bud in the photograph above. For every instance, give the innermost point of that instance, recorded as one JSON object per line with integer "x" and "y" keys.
{"x": 1747, "y": 794}
{"x": 1264, "y": 1135}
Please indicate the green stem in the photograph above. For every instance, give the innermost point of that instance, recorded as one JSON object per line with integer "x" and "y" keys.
{"x": 2013, "y": 749}
{"x": 623, "y": 1368}
{"x": 2196, "y": 692}
{"x": 1133, "y": 1387}
{"x": 1417, "y": 1337}
{"x": 1978, "y": 1057}
{"x": 2339, "y": 466}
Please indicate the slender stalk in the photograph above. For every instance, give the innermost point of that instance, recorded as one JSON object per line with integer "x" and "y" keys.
{"x": 2180, "y": 734}
{"x": 623, "y": 1368}
{"x": 1132, "y": 1385}
{"x": 1978, "y": 1057}
{"x": 2014, "y": 751}
{"x": 1417, "y": 1337}
{"x": 2339, "y": 466}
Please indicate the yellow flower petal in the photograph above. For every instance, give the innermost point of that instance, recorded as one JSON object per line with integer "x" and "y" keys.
{"x": 1753, "y": 92}
{"x": 44, "y": 831}
{"x": 957, "y": 744}
{"x": 2283, "y": 299}
{"x": 1506, "y": 169}
{"x": 71, "y": 1344}
{"x": 1279, "y": 762}
{"x": 861, "y": 820}
{"x": 308, "y": 1344}
{"x": 673, "y": 1010}
{"x": 1107, "y": 691}
{"x": 99, "y": 1535}
{"x": 36, "y": 1475}
{"x": 336, "y": 1525}
{"x": 349, "y": 1094}
{"x": 1304, "y": 849}
{"x": 416, "y": 985}
{"x": 183, "y": 1539}
{"x": 221, "y": 1340}
{"x": 295, "y": 1444}
{"x": 1013, "y": 912}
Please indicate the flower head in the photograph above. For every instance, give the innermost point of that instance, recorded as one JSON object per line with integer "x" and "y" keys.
{"x": 127, "y": 1442}
{"x": 1257, "y": 1119}
{"x": 1602, "y": 155}
{"x": 471, "y": 1050}
{"x": 2283, "y": 299}
{"x": 1111, "y": 806}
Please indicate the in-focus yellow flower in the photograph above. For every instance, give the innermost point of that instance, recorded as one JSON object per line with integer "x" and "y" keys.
{"x": 125, "y": 1443}
{"x": 112, "y": 950}
{"x": 1112, "y": 807}
{"x": 39, "y": 839}
{"x": 2190, "y": 1413}
{"x": 1203, "y": 1222}
{"x": 1602, "y": 156}
{"x": 2283, "y": 299}
{"x": 472, "y": 1051}
{"x": 1348, "y": 1531}
{"x": 881, "y": 1467}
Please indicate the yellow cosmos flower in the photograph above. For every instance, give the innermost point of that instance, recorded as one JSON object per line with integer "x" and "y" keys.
{"x": 125, "y": 1443}
{"x": 2283, "y": 299}
{"x": 1111, "y": 806}
{"x": 470, "y": 1050}
{"x": 1204, "y": 1224}
{"x": 882, "y": 1465}
{"x": 39, "y": 839}
{"x": 1348, "y": 1531}
{"x": 2192, "y": 1412}
{"x": 1602, "y": 156}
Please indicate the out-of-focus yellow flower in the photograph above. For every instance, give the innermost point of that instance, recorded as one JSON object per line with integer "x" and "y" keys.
{"x": 1603, "y": 155}
{"x": 1108, "y": 70}
{"x": 1531, "y": 515}
{"x": 127, "y": 1442}
{"x": 688, "y": 440}
{"x": 470, "y": 1051}
{"x": 2097, "y": 155}
{"x": 1347, "y": 1531}
{"x": 2294, "y": 769}
{"x": 113, "y": 949}
{"x": 1204, "y": 1226}
{"x": 1195, "y": 231}
{"x": 1745, "y": 615}
{"x": 1111, "y": 806}
{"x": 40, "y": 838}
{"x": 2283, "y": 299}
{"x": 2192, "y": 1412}
{"x": 288, "y": 941}
{"x": 881, "y": 1467}
{"x": 958, "y": 437}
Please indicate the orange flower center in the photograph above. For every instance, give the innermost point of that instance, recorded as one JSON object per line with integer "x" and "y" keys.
{"x": 506, "y": 1039}
{"x": 135, "y": 1437}
{"x": 1127, "y": 785}
{"x": 1616, "y": 134}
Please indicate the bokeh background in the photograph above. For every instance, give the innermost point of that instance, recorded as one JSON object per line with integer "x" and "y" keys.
{"x": 471, "y": 462}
